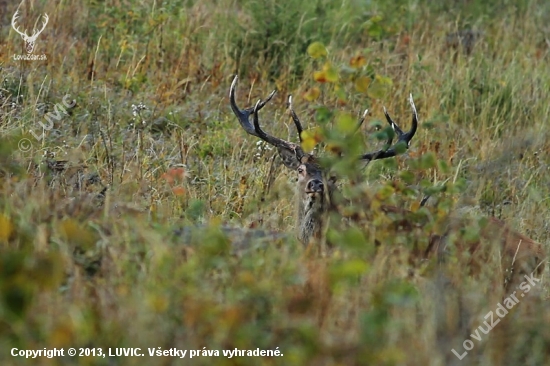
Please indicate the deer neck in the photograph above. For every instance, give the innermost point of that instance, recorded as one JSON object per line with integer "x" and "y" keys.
{"x": 312, "y": 215}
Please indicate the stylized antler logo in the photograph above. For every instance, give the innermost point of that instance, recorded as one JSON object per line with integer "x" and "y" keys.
{"x": 29, "y": 41}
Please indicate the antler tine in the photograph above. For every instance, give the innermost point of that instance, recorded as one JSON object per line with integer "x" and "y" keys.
{"x": 403, "y": 137}
{"x": 363, "y": 117}
{"x": 275, "y": 141}
{"x": 394, "y": 127}
{"x": 414, "y": 121}
{"x": 398, "y": 131}
{"x": 261, "y": 134}
{"x": 361, "y": 120}
{"x": 255, "y": 129}
{"x": 295, "y": 118}
{"x": 244, "y": 114}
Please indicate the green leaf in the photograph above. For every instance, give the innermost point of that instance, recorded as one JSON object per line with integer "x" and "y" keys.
{"x": 376, "y": 124}
{"x": 471, "y": 234}
{"x": 430, "y": 191}
{"x": 345, "y": 123}
{"x": 331, "y": 73}
{"x": 461, "y": 184}
{"x": 195, "y": 209}
{"x": 384, "y": 134}
{"x": 380, "y": 87}
{"x": 348, "y": 270}
{"x": 407, "y": 176}
{"x": 317, "y": 50}
{"x": 323, "y": 115}
{"x": 385, "y": 192}
{"x": 401, "y": 293}
{"x": 443, "y": 166}
{"x": 400, "y": 147}
{"x": 341, "y": 94}
{"x": 374, "y": 28}
{"x": 427, "y": 161}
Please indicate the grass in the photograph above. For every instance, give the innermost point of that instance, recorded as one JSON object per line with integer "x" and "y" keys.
{"x": 89, "y": 257}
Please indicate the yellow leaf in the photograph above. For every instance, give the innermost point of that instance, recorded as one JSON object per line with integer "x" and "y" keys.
{"x": 77, "y": 234}
{"x": 333, "y": 148}
{"x": 362, "y": 84}
{"x": 376, "y": 19}
{"x": 385, "y": 192}
{"x": 358, "y": 61}
{"x": 310, "y": 138}
{"x": 312, "y": 94}
{"x": 384, "y": 80}
{"x": 320, "y": 76}
{"x": 317, "y": 50}
{"x": 308, "y": 144}
{"x": 6, "y": 228}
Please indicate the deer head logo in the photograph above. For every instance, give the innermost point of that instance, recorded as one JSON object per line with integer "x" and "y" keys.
{"x": 29, "y": 40}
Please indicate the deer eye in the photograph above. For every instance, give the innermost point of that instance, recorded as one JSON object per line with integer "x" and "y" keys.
{"x": 300, "y": 170}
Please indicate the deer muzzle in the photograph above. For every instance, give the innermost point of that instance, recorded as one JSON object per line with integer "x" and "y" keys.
{"x": 314, "y": 187}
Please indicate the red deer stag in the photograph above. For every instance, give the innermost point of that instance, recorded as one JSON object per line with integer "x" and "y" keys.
{"x": 315, "y": 192}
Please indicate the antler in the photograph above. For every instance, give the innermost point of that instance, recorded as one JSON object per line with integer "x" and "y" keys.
{"x": 299, "y": 124}
{"x": 254, "y": 129}
{"x": 13, "y": 19}
{"x": 402, "y": 136}
{"x": 292, "y": 153}
{"x": 44, "y": 23}
{"x": 295, "y": 118}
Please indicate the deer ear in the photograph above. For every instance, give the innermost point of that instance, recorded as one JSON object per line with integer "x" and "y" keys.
{"x": 308, "y": 159}
{"x": 290, "y": 160}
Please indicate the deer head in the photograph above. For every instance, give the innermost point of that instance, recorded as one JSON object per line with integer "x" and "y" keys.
{"x": 29, "y": 40}
{"x": 315, "y": 189}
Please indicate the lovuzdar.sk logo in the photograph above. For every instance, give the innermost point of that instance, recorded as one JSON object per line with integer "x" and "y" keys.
{"x": 30, "y": 41}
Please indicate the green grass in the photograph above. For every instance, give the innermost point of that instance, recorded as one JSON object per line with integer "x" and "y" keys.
{"x": 82, "y": 270}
